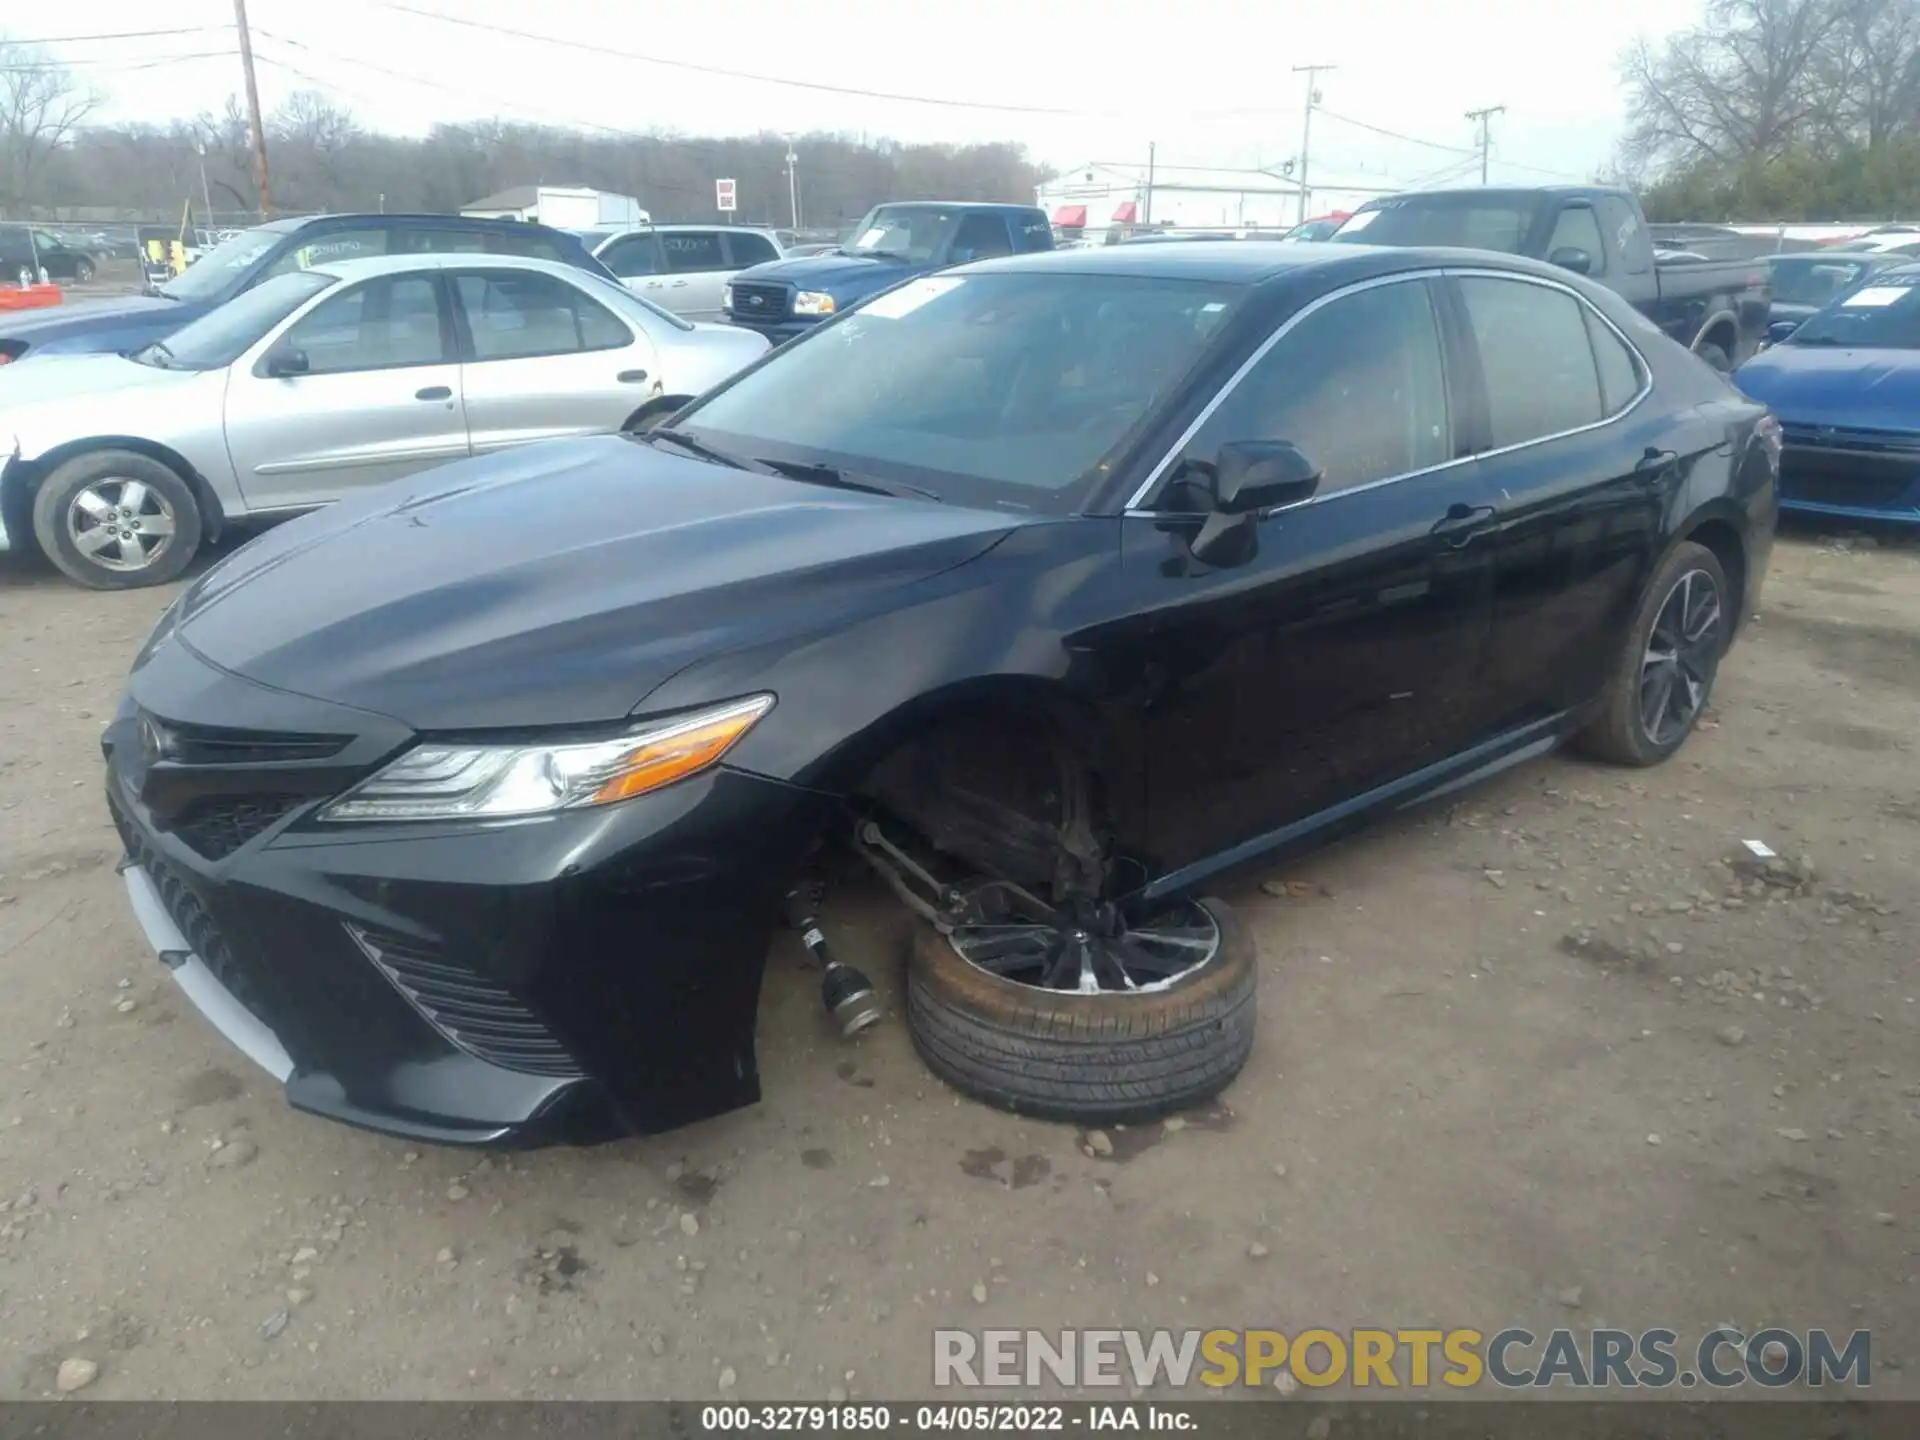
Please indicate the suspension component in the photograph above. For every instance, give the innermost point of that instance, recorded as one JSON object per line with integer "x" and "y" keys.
{"x": 845, "y": 991}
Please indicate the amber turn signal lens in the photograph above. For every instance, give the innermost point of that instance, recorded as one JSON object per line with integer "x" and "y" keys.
{"x": 672, "y": 755}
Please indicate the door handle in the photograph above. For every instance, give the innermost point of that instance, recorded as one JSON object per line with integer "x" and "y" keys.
{"x": 631, "y": 377}
{"x": 434, "y": 392}
{"x": 1462, "y": 522}
{"x": 1653, "y": 464}
{"x": 679, "y": 285}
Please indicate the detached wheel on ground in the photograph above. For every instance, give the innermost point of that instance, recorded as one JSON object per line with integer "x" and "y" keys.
{"x": 116, "y": 520}
{"x": 1065, "y": 1025}
{"x": 1663, "y": 676}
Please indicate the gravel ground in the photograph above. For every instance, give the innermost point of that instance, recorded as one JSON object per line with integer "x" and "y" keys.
{"x": 1537, "y": 1056}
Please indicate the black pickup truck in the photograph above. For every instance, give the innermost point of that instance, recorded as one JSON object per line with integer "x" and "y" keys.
{"x": 1717, "y": 308}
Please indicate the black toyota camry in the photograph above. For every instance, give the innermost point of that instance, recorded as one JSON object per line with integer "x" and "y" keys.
{"x": 1051, "y": 587}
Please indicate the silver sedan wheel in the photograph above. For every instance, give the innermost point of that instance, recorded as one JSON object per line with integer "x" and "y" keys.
{"x": 120, "y": 524}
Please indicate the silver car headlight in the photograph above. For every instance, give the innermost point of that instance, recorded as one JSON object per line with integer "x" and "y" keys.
{"x": 813, "y": 302}
{"x": 451, "y": 782}
{"x": 726, "y": 297}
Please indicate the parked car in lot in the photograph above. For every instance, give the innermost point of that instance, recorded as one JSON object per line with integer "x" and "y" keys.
{"x": 25, "y": 251}
{"x": 320, "y": 382}
{"x": 892, "y": 245}
{"x": 1716, "y": 308}
{"x": 127, "y": 322}
{"x": 1055, "y": 586}
{"x": 1806, "y": 283}
{"x": 682, "y": 267}
{"x": 1846, "y": 386}
{"x": 1320, "y": 227}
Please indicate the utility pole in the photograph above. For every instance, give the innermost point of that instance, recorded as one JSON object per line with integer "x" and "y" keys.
{"x": 1484, "y": 119}
{"x": 1312, "y": 73}
{"x": 253, "y": 111}
{"x": 1146, "y": 211}
{"x": 793, "y": 184}
{"x": 200, "y": 149}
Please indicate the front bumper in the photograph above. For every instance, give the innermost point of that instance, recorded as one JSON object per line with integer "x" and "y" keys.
{"x": 573, "y": 978}
{"x": 1850, "y": 481}
{"x": 777, "y": 332}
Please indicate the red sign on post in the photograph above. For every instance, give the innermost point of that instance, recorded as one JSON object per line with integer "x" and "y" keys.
{"x": 723, "y": 196}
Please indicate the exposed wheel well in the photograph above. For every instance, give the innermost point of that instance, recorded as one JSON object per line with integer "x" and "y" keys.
{"x": 1723, "y": 332}
{"x": 23, "y": 481}
{"x": 1724, "y": 541}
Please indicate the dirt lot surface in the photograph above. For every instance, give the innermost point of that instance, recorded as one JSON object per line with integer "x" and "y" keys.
{"x": 1537, "y": 1056}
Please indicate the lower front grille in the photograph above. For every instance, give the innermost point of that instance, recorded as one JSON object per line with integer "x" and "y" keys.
{"x": 218, "y": 825}
{"x": 759, "y": 302}
{"x": 476, "y": 1013}
{"x": 186, "y": 911}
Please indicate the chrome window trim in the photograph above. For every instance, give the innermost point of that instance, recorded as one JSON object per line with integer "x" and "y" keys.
{"x": 1133, "y": 505}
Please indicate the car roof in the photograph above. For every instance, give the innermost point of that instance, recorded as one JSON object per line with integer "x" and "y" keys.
{"x": 1000, "y": 205}
{"x": 1249, "y": 262}
{"x": 1851, "y": 257}
{"x": 670, "y": 228}
{"x": 372, "y": 265}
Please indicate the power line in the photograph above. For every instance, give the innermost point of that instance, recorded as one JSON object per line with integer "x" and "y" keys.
{"x": 599, "y": 49}
{"x": 152, "y": 63}
{"x": 120, "y": 35}
{"x": 1484, "y": 119}
{"x": 1396, "y": 135}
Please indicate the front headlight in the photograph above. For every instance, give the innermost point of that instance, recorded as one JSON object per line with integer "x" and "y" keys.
{"x": 451, "y": 782}
{"x": 726, "y": 297}
{"x": 813, "y": 302}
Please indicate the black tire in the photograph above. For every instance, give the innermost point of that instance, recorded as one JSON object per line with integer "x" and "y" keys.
{"x": 1716, "y": 356}
{"x": 1107, "y": 1059}
{"x": 54, "y": 508}
{"x": 82, "y": 271}
{"x": 1621, "y": 732}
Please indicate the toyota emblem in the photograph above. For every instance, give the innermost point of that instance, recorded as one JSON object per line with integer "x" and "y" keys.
{"x": 154, "y": 740}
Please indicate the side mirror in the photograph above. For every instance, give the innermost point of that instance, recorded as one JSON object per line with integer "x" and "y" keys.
{"x": 284, "y": 360}
{"x": 1572, "y": 257}
{"x": 1250, "y": 475}
{"x": 1780, "y": 329}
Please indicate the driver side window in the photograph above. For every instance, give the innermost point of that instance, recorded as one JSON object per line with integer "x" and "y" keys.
{"x": 381, "y": 325}
{"x": 1577, "y": 229}
{"x": 1358, "y": 386}
{"x": 982, "y": 237}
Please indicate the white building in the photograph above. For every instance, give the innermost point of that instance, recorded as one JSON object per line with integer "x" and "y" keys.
{"x": 1093, "y": 200}
{"x": 566, "y": 207}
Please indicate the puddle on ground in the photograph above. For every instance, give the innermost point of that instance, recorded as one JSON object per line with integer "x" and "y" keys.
{"x": 816, "y": 1159}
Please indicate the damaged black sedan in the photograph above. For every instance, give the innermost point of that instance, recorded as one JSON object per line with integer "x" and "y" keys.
{"x": 1053, "y": 588}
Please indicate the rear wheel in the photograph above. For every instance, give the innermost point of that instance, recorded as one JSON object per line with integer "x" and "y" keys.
{"x": 117, "y": 520}
{"x": 1664, "y": 673}
{"x": 83, "y": 271}
{"x": 1111, "y": 1025}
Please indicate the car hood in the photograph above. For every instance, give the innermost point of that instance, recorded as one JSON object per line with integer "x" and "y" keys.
{"x": 838, "y": 273}
{"x": 558, "y": 584}
{"x": 85, "y": 317}
{"x": 63, "y": 377}
{"x": 1836, "y": 385}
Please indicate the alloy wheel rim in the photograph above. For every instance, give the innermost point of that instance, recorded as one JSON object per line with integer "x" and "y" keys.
{"x": 1677, "y": 669}
{"x": 1052, "y": 954}
{"x": 121, "y": 524}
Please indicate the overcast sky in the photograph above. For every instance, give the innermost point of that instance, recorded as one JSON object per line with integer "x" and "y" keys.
{"x": 1210, "y": 81}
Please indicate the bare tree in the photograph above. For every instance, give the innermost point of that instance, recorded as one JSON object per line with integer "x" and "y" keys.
{"x": 40, "y": 105}
{"x": 1737, "y": 90}
{"x": 1870, "y": 70}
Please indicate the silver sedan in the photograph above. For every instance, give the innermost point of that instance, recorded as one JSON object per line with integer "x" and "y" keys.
{"x": 317, "y": 383}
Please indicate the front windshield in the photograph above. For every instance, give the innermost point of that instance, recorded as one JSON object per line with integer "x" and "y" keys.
{"x": 1005, "y": 388}
{"x": 1813, "y": 280}
{"x": 1469, "y": 222}
{"x": 214, "y": 271}
{"x": 1884, "y": 313}
{"x": 221, "y": 336}
{"x": 907, "y": 232}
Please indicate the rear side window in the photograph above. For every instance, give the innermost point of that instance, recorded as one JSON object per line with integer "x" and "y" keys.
{"x": 693, "y": 250}
{"x": 1619, "y": 366}
{"x": 515, "y": 315}
{"x": 1538, "y": 361}
{"x": 1031, "y": 231}
{"x": 631, "y": 256}
{"x": 533, "y": 244}
{"x": 423, "y": 240}
{"x": 1358, "y": 385}
{"x": 1618, "y": 219}
{"x": 745, "y": 250}
{"x": 982, "y": 237}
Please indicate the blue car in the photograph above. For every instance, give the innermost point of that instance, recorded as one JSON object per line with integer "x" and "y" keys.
{"x": 1846, "y": 386}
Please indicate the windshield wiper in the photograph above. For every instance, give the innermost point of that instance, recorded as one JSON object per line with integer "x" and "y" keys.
{"x": 814, "y": 474}
{"x": 701, "y": 450}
